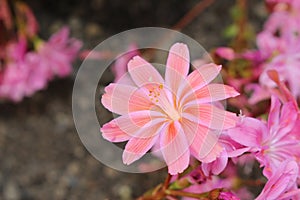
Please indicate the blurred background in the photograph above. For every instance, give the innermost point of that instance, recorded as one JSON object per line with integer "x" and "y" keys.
{"x": 41, "y": 155}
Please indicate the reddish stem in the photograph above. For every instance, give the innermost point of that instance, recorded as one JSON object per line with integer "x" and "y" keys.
{"x": 194, "y": 12}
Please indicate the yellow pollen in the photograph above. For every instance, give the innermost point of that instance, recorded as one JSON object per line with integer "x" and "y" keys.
{"x": 154, "y": 92}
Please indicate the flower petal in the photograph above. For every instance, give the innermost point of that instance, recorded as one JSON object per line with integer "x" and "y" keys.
{"x": 116, "y": 97}
{"x": 210, "y": 116}
{"x": 248, "y": 132}
{"x": 205, "y": 146}
{"x": 288, "y": 118}
{"x": 140, "y": 101}
{"x": 215, "y": 92}
{"x": 114, "y": 133}
{"x": 217, "y": 166}
{"x": 203, "y": 142}
{"x": 143, "y": 72}
{"x": 281, "y": 181}
{"x": 178, "y": 65}
{"x": 127, "y": 126}
{"x": 274, "y": 112}
{"x": 139, "y": 145}
{"x": 175, "y": 149}
{"x": 203, "y": 75}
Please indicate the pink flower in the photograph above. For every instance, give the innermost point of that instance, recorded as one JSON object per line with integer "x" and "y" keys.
{"x": 225, "y": 52}
{"x": 26, "y": 72}
{"x": 177, "y": 113}
{"x": 227, "y": 196}
{"x": 260, "y": 93}
{"x": 59, "y": 52}
{"x": 23, "y": 77}
{"x": 282, "y": 184}
{"x": 120, "y": 67}
{"x": 231, "y": 149}
{"x": 13, "y": 81}
{"x": 272, "y": 141}
{"x": 288, "y": 67}
{"x": 284, "y": 21}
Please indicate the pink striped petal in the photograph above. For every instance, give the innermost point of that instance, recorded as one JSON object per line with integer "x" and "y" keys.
{"x": 116, "y": 97}
{"x": 203, "y": 75}
{"x": 126, "y": 126}
{"x": 140, "y": 100}
{"x": 113, "y": 133}
{"x": 215, "y": 92}
{"x": 139, "y": 145}
{"x": 143, "y": 72}
{"x": 214, "y": 153}
{"x": 204, "y": 145}
{"x": 203, "y": 142}
{"x": 175, "y": 148}
{"x": 210, "y": 116}
{"x": 178, "y": 65}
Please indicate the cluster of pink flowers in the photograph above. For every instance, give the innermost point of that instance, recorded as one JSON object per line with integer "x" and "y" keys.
{"x": 207, "y": 149}
{"x": 28, "y": 63}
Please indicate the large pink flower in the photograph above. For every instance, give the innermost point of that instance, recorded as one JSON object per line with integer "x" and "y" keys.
{"x": 176, "y": 114}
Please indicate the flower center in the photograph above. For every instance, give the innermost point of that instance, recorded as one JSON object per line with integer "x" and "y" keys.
{"x": 173, "y": 114}
{"x": 159, "y": 96}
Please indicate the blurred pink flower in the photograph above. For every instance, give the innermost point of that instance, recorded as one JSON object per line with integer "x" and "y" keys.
{"x": 227, "y": 196}
{"x": 13, "y": 81}
{"x": 259, "y": 93}
{"x": 225, "y": 52}
{"x": 59, "y": 52}
{"x": 176, "y": 112}
{"x": 26, "y": 72}
{"x": 120, "y": 67}
{"x": 287, "y": 65}
{"x": 282, "y": 184}
{"x": 272, "y": 141}
{"x": 283, "y": 22}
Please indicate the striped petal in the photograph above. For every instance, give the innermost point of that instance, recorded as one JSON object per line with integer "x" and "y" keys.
{"x": 127, "y": 126}
{"x": 215, "y": 92}
{"x": 117, "y": 96}
{"x": 139, "y": 145}
{"x": 178, "y": 65}
{"x": 175, "y": 148}
{"x": 203, "y": 142}
{"x": 142, "y": 72}
{"x": 203, "y": 75}
{"x": 210, "y": 116}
